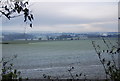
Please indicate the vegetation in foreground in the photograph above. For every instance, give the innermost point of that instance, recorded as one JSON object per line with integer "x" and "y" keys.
{"x": 8, "y": 72}
{"x": 111, "y": 68}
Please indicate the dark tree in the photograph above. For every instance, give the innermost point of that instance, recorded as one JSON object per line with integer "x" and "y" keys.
{"x": 15, "y": 8}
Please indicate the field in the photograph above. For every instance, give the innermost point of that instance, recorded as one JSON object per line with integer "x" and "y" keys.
{"x": 54, "y": 58}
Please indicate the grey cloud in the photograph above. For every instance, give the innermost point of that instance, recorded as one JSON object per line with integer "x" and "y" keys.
{"x": 54, "y": 14}
{"x": 49, "y": 13}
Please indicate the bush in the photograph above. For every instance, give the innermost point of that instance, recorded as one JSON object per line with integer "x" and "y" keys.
{"x": 111, "y": 67}
{"x": 8, "y": 73}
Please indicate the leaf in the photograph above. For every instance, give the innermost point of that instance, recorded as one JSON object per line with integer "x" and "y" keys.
{"x": 110, "y": 69}
{"x": 11, "y": 64}
{"x": 26, "y": 3}
{"x": 107, "y": 51}
{"x": 103, "y": 51}
{"x": 4, "y": 63}
{"x": 13, "y": 10}
{"x": 111, "y": 51}
{"x": 25, "y": 17}
{"x": 80, "y": 74}
{"x": 107, "y": 72}
{"x": 69, "y": 70}
{"x": 108, "y": 63}
{"x": 118, "y": 50}
{"x": 76, "y": 75}
{"x": 103, "y": 60}
{"x": 32, "y": 16}
{"x": 44, "y": 76}
{"x": 15, "y": 71}
{"x": 19, "y": 9}
{"x": 16, "y": 5}
{"x": 29, "y": 18}
{"x": 31, "y": 25}
{"x": 19, "y": 72}
{"x": 6, "y": 8}
{"x": 72, "y": 67}
{"x": 26, "y": 11}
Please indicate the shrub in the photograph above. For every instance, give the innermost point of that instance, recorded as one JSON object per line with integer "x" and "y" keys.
{"x": 111, "y": 67}
{"x": 8, "y": 73}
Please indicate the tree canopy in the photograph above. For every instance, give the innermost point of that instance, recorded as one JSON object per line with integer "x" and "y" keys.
{"x": 15, "y": 8}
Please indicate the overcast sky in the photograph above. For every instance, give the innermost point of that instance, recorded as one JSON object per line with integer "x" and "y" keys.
{"x": 69, "y": 17}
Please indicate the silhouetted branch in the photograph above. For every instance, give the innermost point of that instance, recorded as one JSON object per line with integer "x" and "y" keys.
{"x": 17, "y": 7}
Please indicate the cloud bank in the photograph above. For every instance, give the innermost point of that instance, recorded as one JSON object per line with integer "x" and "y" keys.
{"x": 69, "y": 17}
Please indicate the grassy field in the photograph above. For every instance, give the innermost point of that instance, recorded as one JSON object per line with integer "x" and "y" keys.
{"x": 34, "y": 41}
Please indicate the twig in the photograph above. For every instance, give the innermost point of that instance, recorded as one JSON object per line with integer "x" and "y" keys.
{"x": 98, "y": 53}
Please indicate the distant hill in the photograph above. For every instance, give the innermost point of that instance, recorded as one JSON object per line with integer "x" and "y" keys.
{"x": 6, "y": 36}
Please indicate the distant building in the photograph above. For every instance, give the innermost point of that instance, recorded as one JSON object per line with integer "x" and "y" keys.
{"x": 42, "y": 38}
{"x": 20, "y": 39}
{"x": 82, "y": 37}
{"x": 75, "y": 38}
{"x": 104, "y": 34}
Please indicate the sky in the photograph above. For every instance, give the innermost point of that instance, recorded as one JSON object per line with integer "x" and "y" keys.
{"x": 68, "y": 16}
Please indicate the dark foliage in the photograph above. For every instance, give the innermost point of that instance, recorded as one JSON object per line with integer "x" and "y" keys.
{"x": 8, "y": 73}
{"x": 15, "y": 8}
{"x": 111, "y": 67}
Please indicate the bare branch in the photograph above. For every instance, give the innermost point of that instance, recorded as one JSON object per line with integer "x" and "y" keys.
{"x": 16, "y": 16}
